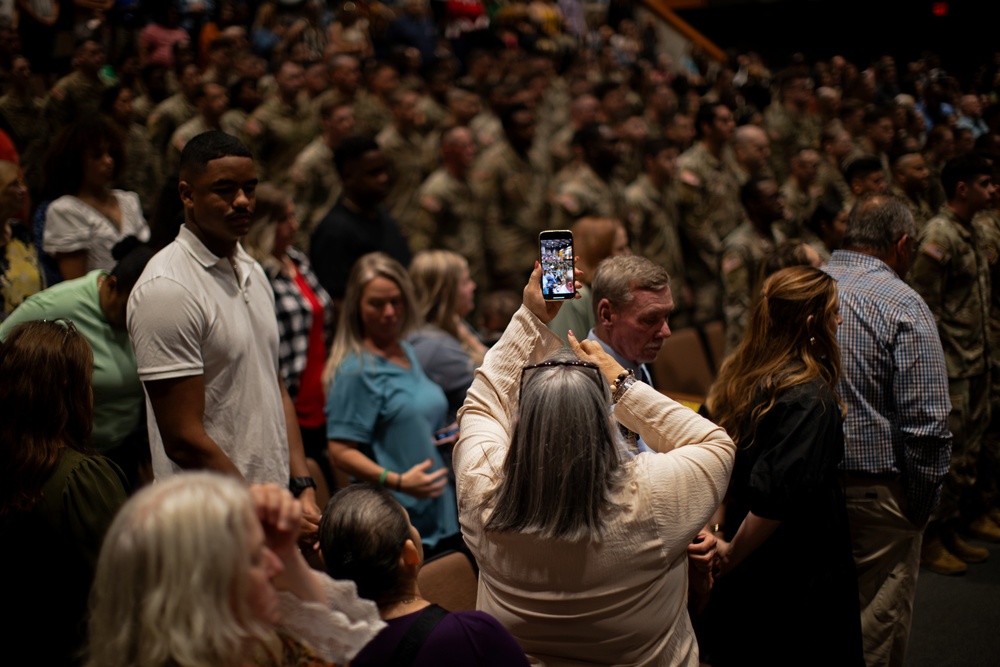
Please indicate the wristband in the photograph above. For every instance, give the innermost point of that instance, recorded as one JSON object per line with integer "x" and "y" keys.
{"x": 381, "y": 478}
{"x": 299, "y": 484}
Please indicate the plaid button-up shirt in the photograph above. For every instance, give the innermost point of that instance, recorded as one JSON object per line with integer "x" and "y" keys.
{"x": 893, "y": 380}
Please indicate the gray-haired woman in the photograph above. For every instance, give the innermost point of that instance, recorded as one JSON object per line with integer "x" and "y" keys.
{"x": 582, "y": 552}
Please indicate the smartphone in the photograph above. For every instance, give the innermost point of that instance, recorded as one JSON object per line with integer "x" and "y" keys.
{"x": 445, "y": 433}
{"x": 555, "y": 253}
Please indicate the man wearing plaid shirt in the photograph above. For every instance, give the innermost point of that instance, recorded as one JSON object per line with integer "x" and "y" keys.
{"x": 898, "y": 445}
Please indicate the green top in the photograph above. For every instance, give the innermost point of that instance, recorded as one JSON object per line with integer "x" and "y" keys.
{"x": 118, "y": 396}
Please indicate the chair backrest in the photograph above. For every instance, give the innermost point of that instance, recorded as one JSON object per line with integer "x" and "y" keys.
{"x": 449, "y": 581}
{"x": 715, "y": 339}
{"x": 682, "y": 366}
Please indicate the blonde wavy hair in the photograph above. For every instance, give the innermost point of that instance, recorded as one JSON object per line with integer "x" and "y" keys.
{"x": 270, "y": 206}
{"x": 350, "y": 333}
{"x": 172, "y": 579}
{"x": 782, "y": 348}
{"x": 437, "y": 278}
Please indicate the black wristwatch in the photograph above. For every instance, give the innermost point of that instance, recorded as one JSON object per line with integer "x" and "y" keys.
{"x": 299, "y": 484}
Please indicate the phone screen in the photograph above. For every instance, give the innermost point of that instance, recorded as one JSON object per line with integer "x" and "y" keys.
{"x": 556, "y": 250}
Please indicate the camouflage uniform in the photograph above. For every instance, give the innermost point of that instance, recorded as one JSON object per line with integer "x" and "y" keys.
{"x": 232, "y": 122}
{"x": 432, "y": 113}
{"x": 316, "y": 186}
{"x": 32, "y": 137}
{"x": 921, "y": 208}
{"x": 709, "y": 206}
{"x": 560, "y": 152}
{"x": 787, "y": 131}
{"x": 74, "y": 97}
{"x": 512, "y": 192}
{"x": 371, "y": 115}
{"x": 799, "y": 208}
{"x": 832, "y": 182}
{"x": 584, "y": 194}
{"x": 182, "y": 135}
{"x": 276, "y": 133}
{"x": 987, "y": 225}
{"x": 652, "y": 227}
{"x": 406, "y": 169}
{"x": 142, "y": 168}
{"x": 450, "y": 217}
{"x": 164, "y": 120}
{"x": 951, "y": 272}
{"x": 743, "y": 253}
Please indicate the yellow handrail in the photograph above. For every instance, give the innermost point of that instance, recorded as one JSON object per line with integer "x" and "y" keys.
{"x": 659, "y": 7}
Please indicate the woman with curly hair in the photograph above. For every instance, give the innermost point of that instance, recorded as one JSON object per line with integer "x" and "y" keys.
{"x": 787, "y": 586}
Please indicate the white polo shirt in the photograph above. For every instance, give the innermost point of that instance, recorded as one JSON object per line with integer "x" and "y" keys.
{"x": 191, "y": 314}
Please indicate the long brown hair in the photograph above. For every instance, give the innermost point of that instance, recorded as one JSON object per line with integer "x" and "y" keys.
{"x": 782, "y": 348}
{"x": 45, "y": 405}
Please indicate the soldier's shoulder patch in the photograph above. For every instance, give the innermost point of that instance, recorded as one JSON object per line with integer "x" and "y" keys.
{"x": 431, "y": 203}
{"x": 933, "y": 250}
{"x": 991, "y": 254}
{"x": 731, "y": 262}
{"x": 569, "y": 202}
{"x": 690, "y": 178}
{"x": 253, "y": 127}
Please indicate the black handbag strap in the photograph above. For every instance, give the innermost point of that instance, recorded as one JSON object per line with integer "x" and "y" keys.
{"x": 411, "y": 643}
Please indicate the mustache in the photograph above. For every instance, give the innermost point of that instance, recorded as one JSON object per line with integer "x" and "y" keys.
{"x": 240, "y": 213}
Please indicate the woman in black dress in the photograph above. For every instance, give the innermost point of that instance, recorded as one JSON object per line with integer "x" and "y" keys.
{"x": 787, "y": 589}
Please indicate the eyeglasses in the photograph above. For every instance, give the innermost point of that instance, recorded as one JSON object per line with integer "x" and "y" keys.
{"x": 573, "y": 362}
{"x": 67, "y": 324}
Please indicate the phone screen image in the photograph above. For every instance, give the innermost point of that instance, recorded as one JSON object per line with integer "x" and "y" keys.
{"x": 557, "y": 267}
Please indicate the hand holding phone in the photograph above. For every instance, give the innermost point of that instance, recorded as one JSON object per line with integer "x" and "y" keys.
{"x": 555, "y": 254}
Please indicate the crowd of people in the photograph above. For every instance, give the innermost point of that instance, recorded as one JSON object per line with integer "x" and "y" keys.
{"x": 247, "y": 237}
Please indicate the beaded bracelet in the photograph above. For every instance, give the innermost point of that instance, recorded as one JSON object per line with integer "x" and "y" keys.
{"x": 381, "y": 478}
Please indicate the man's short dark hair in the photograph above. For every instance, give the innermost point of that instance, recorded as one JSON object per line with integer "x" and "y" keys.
{"x": 706, "y": 114}
{"x": 351, "y": 150}
{"x": 208, "y": 146}
{"x": 653, "y": 147}
{"x": 861, "y": 167}
{"x": 963, "y": 169}
{"x": 750, "y": 191}
{"x": 877, "y": 222}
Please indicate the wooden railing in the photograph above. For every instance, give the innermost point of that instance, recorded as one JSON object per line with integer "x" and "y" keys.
{"x": 662, "y": 8}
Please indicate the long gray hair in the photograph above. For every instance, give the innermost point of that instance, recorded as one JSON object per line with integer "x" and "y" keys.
{"x": 564, "y": 460}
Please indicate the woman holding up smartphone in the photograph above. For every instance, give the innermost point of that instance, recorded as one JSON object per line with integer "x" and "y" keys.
{"x": 582, "y": 554}
{"x": 382, "y": 410}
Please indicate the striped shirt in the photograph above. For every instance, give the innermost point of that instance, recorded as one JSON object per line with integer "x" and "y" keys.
{"x": 893, "y": 380}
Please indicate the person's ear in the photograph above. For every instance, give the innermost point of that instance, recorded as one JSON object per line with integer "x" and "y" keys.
{"x": 410, "y": 558}
{"x": 961, "y": 190}
{"x": 184, "y": 189}
{"x": 604, "y": 312}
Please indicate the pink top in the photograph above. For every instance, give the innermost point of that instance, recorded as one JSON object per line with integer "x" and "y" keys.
{"x": 156, "y": 42}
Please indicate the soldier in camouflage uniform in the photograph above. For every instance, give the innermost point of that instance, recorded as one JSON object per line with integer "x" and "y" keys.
{"x": 371, "y": 109}
{"x": 174, "y": 111}
{"x": 511, "y": 187}
{"x": 449, "y": 215}
{"x": 709, "y": 206}
{"x": 403, "y": 146}
{"x": 752, "y": 150}
{"x": 911, "y": 181}
{"x": 22, "y": 110}
{"x": 313, "y": 177}
{"x": 802, "y": 193}
{"x": 590, "y": 191}
{"x": 77, "y": 95}
{"x": 789, "y": 123}
{"x": 987, "y": 225}
{"x": 651, "y": 204}
{"x": 836, "y": 146}
{"x": 951, "y": 271}
{"x": 744, "y": 252}
{"x": 212, "y": 101}
{"x": 281, "y": 127}
{"x": 142, "y": 166}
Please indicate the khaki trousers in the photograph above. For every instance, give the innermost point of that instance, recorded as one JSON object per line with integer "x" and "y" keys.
{"x": 887, "y": 555}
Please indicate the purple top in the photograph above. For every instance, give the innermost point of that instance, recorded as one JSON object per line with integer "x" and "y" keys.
{"x": 461, "y": 638}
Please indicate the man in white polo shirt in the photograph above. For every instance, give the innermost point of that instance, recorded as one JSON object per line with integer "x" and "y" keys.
{"x": 202, "y": 323}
